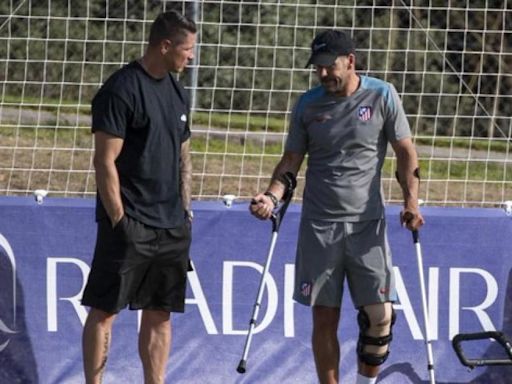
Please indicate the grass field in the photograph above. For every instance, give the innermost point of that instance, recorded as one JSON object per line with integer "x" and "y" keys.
{"x": 35, "y": 154}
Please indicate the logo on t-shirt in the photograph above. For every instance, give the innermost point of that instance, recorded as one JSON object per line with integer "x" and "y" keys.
{"x": 365, "y": 113}
{"x": 384, "y": 290}
{"x": 305, "y": 288}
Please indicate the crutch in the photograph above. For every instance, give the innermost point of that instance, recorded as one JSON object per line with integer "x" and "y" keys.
{"x": 277, "y": 218}
{"x": 428, "y": 341}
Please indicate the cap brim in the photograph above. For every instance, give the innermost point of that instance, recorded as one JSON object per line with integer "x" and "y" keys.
{"x": 322, "y": 58}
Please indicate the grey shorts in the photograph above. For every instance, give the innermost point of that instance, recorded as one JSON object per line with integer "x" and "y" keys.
{"x": 138, "y": 265}
{"x": 327, "y": 252}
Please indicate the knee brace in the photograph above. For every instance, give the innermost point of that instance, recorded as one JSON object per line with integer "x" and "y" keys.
{"x": 372, "y": 359}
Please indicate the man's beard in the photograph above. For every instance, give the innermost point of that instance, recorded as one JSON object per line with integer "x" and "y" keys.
{"x": 332, "y": 84}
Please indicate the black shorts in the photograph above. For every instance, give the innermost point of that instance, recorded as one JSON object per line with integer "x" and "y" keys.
{"x": 138, "y": 265}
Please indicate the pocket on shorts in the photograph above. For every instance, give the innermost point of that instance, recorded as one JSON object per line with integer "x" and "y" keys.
{"x": 120, "y": 223}
{"x": 112, "y": 241}
{"x": 182, "y": 233}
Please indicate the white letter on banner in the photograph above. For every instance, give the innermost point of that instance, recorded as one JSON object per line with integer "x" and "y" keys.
{"x": 200, "y": 300}
{"x": 405, "y": 305}
{"x": 227, "y": 298}
{"x": 432, "y": 304}
{"x": 492, "y": 294}
{"x": 51, "y": 290}
{"x": 289, "y": 283}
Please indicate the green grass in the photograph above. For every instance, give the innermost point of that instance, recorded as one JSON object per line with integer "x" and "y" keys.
{"x": 213, "y": 145}
{"x": 252, "y": 123}
{"x": 240, "y": 121}
{"x": 232, "y": 163}
{"x": 457, "y": 170}
{"x": 475, "y": 143}
{"x": 48, "y": 104}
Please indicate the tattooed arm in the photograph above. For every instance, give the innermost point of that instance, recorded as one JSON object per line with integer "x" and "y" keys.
{"x": 186, "y": 175}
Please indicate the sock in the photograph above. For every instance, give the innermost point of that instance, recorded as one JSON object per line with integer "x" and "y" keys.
{"x": 365, "y": 380}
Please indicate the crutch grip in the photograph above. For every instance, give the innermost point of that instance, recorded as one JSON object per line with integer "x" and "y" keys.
{"x": 415, "y": 236}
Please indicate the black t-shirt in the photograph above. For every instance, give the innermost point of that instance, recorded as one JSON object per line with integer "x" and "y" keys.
{"x": 151, "y": 115}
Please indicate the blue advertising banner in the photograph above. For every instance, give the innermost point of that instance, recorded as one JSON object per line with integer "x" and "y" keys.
{"x": 46, "y": 251}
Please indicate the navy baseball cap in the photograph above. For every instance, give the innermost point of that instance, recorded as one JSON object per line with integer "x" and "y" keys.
{"x": 328, "y": 45}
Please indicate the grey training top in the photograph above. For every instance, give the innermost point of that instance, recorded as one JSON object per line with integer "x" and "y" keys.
{"x": 346, "y": 140}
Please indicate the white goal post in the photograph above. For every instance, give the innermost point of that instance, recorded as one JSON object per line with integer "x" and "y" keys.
{"x": 451, "y": 62}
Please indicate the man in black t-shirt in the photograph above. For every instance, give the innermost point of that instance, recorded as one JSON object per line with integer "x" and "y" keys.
{"x": 143, "y": 175}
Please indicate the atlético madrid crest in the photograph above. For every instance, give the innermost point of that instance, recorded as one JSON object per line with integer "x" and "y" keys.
{"x": 365, "y": 113}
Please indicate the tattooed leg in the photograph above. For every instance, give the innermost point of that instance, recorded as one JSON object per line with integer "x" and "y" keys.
{"x": 95, "y": 344}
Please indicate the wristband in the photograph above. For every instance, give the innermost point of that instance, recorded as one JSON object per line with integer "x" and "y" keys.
{"x": 272, "y": 197}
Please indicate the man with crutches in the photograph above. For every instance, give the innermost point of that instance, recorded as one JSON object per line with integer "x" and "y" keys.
{"x": 344, "y": 126}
